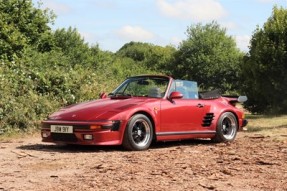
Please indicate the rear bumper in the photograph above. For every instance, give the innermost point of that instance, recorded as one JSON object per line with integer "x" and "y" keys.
{"x": 244, "y": 123}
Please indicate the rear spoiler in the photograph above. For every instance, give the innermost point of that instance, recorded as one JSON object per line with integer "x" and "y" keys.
{"x": 214, "y": 94}
{"x": 242, "y": 99}
{"x": 235, "y": 99}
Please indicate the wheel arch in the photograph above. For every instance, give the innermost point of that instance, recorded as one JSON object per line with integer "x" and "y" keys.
{"x": 220, "y": 108}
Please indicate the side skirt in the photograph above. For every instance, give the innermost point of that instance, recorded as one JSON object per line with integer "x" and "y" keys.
{"x": 185, "y": 133}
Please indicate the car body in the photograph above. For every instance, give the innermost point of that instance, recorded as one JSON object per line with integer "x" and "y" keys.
{"x": 143, "y": 109}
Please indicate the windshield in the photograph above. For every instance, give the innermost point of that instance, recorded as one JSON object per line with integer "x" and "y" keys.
{"x": 147, "y": 86}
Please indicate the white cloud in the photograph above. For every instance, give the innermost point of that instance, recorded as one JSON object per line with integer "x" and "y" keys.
{"x": 243, "y": 42}
{"x": 176, "y": 41}
{"x": 197, "y": 10}
{"x": 88, "y": 36}
{"x": 229, "y": 25}
{"x": 58, "y": 8}
{"x": 134, "y": 33}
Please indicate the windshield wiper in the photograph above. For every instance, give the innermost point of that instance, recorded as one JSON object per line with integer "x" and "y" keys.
{"x": 116, "y": 95}
{"x": 111, "y": 94}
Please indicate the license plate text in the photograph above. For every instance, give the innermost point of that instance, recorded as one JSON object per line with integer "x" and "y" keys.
{"x": 61, "y": 129}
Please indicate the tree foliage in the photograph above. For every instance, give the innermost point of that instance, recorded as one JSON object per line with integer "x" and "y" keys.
{"x": 72, "y": 44}
{"x": 151, "y": 56}
{"x": 208, "y": 56}
{"x": 21, "y": 25}
{"x": 265, "y": 67}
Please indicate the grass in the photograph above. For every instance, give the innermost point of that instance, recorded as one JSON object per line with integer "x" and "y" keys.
{"x": 13, "y": 135}
{"x": 267, "y": 125}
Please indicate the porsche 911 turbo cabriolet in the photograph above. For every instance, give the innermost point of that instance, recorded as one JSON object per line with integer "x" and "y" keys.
{"x": 147, "y": 108}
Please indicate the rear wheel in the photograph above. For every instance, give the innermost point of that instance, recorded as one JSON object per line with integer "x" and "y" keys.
{"x": 138, "y": 133}
{"x": 226, "y": 128}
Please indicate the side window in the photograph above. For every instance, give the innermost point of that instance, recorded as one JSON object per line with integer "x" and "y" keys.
{"x": 187, "y": 88}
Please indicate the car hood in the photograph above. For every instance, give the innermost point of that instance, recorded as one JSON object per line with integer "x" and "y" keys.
{"x": 95, "y": 110}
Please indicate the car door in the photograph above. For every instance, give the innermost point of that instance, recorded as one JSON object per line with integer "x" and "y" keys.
{"x": 181, "y": 115}
{"x": 185, "y": 114}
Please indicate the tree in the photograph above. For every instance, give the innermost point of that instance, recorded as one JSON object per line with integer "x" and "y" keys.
{"x": 73, "y": 45}
{"x": 265, "y": 66}
{"x": 151, "y": 56}
{"x": 208, "y": 56}
{"x": 21, "y": 25}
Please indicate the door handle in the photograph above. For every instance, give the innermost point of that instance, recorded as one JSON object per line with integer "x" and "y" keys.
{"x": 200, "y": 105}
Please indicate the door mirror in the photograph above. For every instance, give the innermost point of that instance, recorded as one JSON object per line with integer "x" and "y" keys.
{"x": 175, "y": 95}
{"x": 103, "y": 95}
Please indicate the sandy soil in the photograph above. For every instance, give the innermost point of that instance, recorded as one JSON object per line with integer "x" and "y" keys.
{"x": 252, "y": 162}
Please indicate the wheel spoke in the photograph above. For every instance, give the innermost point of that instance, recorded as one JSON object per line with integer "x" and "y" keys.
{"x": 141, "y": 132}
{"x": 228, "y": 128}
{"x": 138, "y": 133}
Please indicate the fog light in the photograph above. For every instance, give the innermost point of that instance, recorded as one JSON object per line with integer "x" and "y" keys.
{"x": 88, "y": 137}
{"x": 45, "y": 134}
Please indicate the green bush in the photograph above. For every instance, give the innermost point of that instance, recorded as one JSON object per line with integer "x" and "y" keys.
{"x": 40, "y": 83}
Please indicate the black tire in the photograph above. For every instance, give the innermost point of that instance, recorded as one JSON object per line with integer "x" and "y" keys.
{"x": 226, "y": 128}
{"x": 138, "y": 133}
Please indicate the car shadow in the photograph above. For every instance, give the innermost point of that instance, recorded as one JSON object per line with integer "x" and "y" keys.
{"x": 69, "y": 148}
{"x": 95, "y": 148}
{"x": 189, "y": 142}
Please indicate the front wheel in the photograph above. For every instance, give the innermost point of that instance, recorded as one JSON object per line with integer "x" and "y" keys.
{"x": 138, "y": 133}
{"x": 226, "y": 128}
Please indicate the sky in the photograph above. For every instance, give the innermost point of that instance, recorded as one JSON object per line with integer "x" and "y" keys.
{"x": 113, "y": 23}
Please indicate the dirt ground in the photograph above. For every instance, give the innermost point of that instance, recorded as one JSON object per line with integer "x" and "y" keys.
{"x": 252, "y": 162}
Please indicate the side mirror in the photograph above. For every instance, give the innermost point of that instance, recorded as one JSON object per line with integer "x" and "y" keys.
{"x": 103, "y": 95}
{"x": 175, "y": 95}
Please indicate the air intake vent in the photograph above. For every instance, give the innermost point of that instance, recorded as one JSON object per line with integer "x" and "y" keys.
{"x": 207, "y": 119}
{"x": 64, "y": 137}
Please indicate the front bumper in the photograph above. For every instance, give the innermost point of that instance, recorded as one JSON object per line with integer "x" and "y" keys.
{"x": 83, "y": 134}
{"x": 83, "y": 138}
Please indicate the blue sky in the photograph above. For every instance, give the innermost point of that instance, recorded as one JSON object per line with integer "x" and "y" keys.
{"x": 112, "y": 23}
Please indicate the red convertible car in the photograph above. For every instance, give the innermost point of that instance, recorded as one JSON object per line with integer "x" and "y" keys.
{"x": 144, "y": 109}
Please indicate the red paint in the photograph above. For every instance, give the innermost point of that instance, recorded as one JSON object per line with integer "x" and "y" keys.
{"x": 174, "y": 117}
